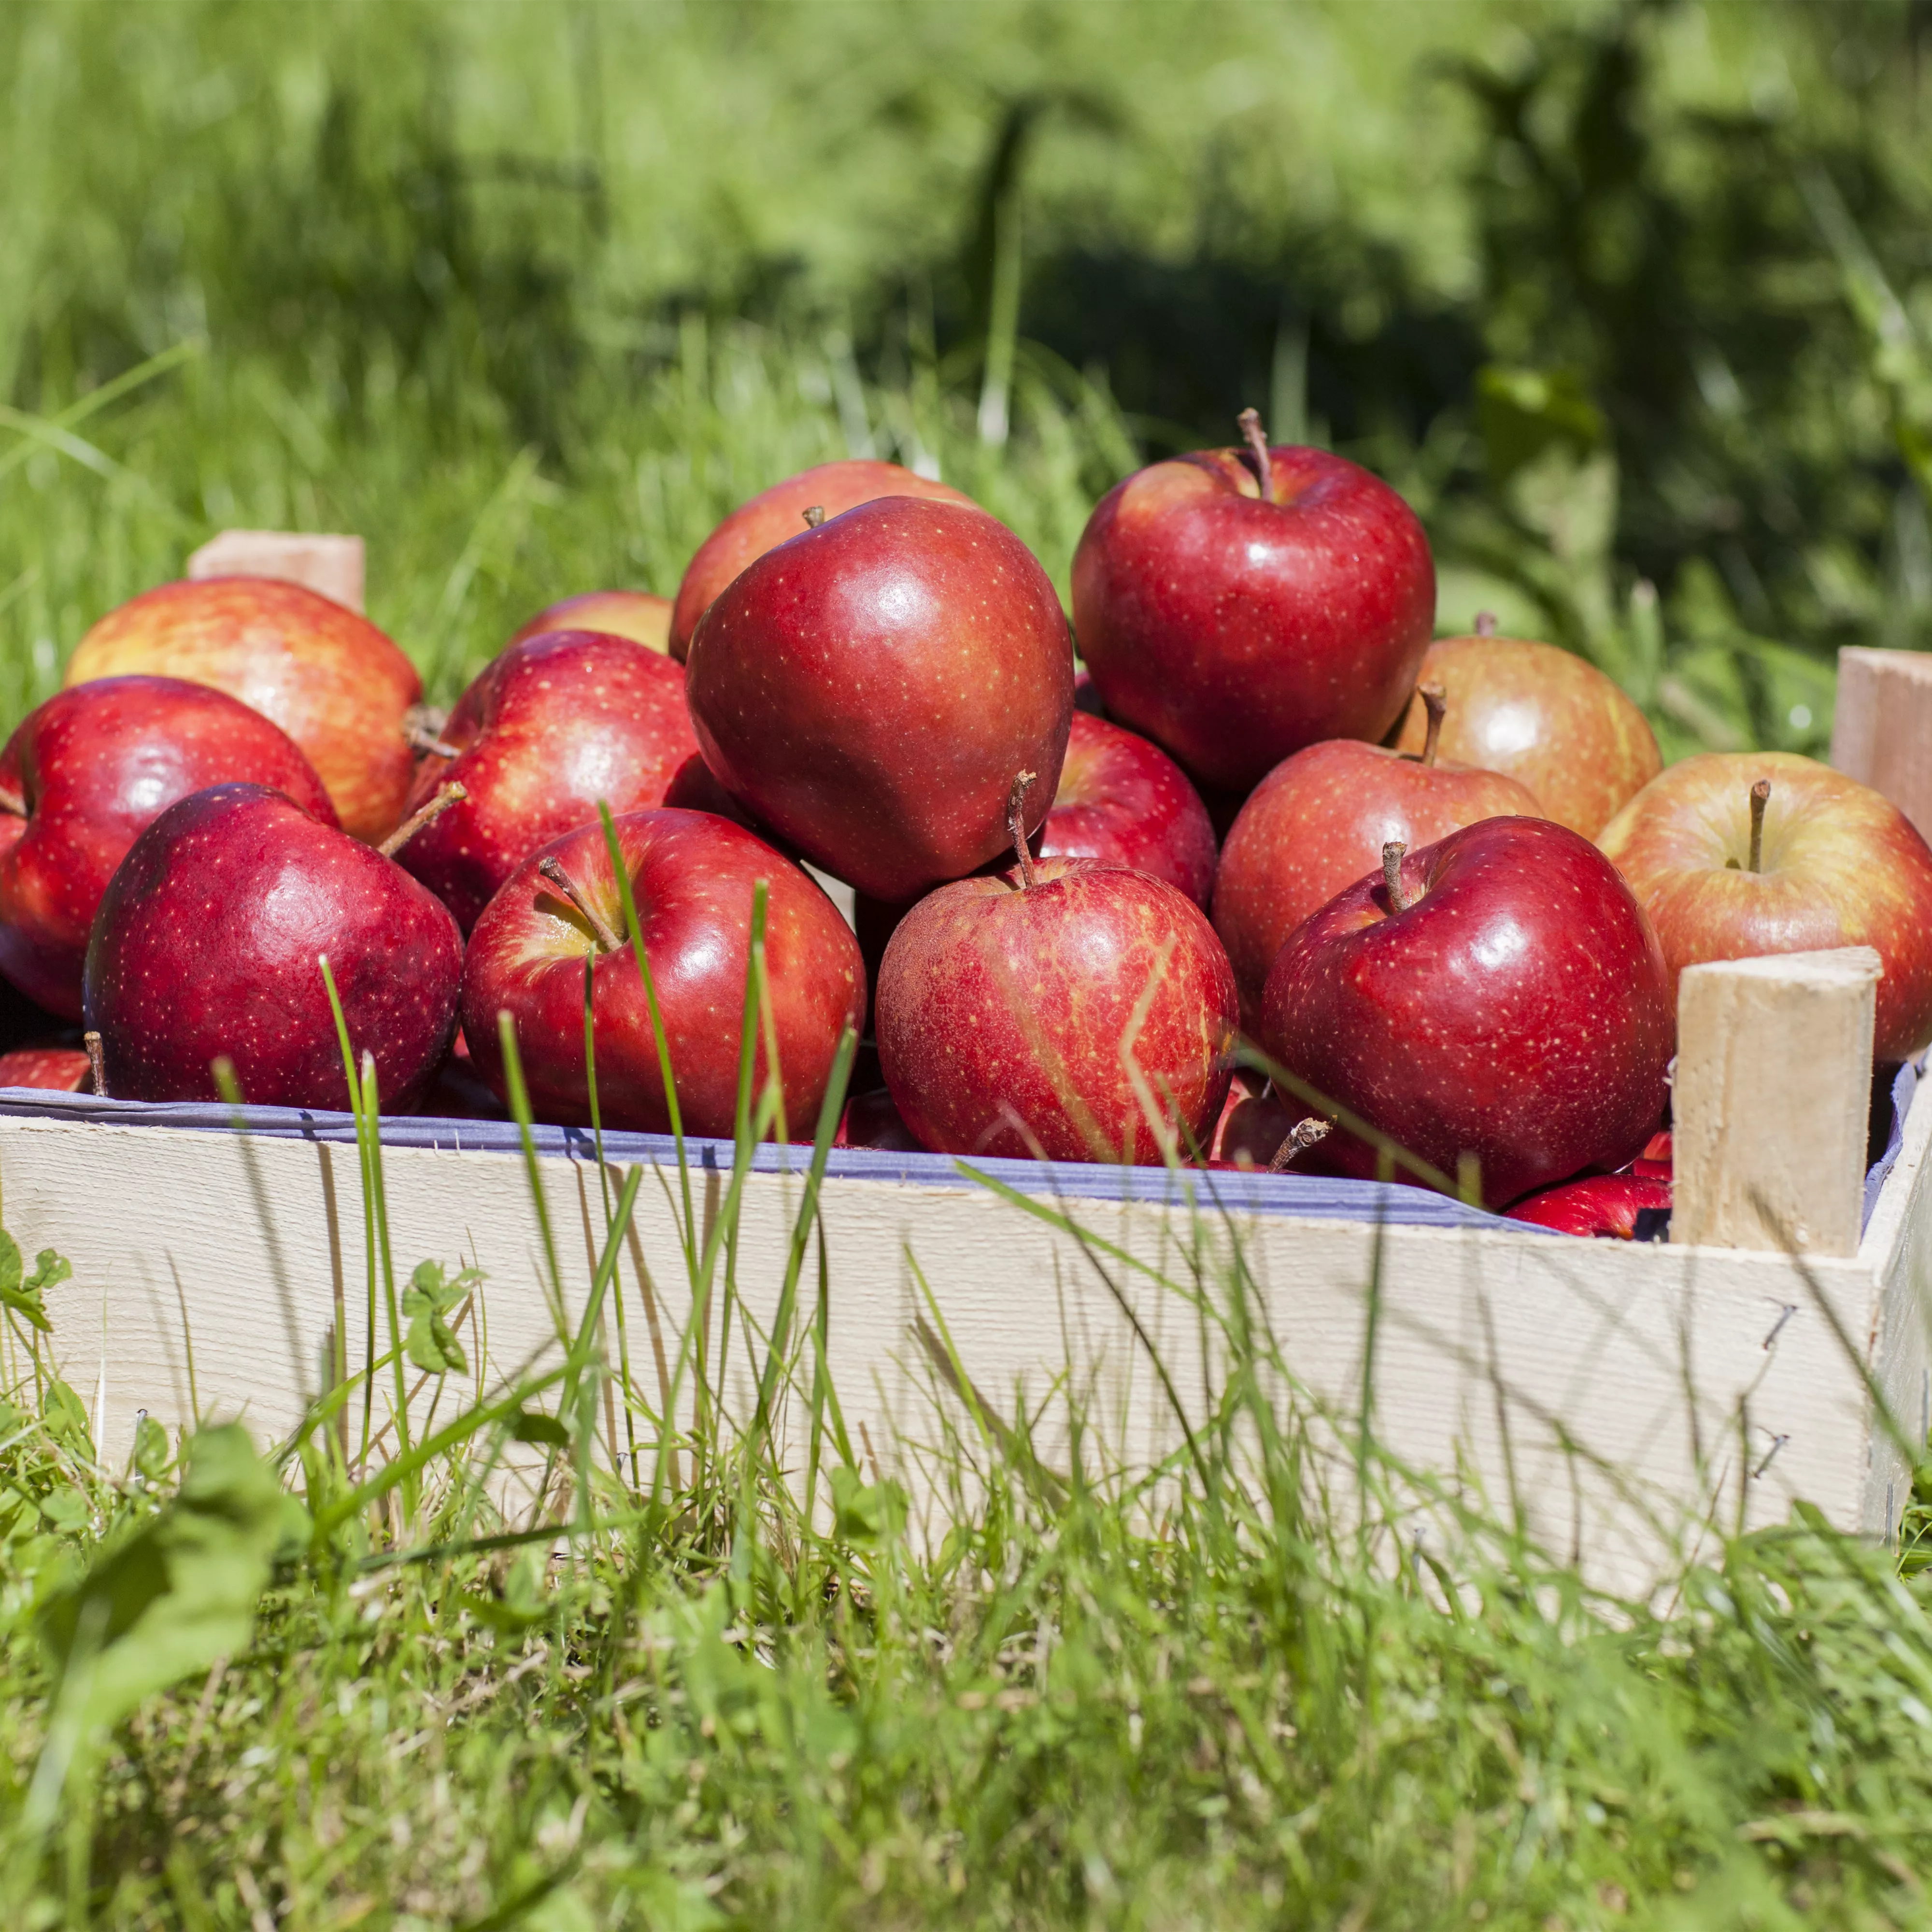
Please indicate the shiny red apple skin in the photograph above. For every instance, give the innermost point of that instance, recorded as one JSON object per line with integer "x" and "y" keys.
{"x": 635, "y": 614}
{"x": 549, "y": 728}
{"x": 1550, "y": 720}
{"x": 333, "y": 682}
{"x": 207, "y": 943}
{"x": 1655, "y": 1162}
{"x": 1318, "y": 822}
{"x": 58, "y": 1070}
{"x": 1842, "y": 866}
{"x": 1233, "y": 631}
{"x": 1123, "y": 801}
{"x": 1010, "y": 1016}
{"x": 1602, "y": 1206}
{"x": 871, "y": 688}
{"x": 693, "y": 876}
{"x": 694, "y": 788}
{"x": 1519, "y": 1009}
{"x": 95, "y": 765}
{"x": 776, "y": 514}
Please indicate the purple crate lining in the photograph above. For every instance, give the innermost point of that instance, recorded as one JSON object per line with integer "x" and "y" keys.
{"x": 1311, "y": 1196}
{"x": 1314, "y": 1197}
{"x": 1904, "y": 1085}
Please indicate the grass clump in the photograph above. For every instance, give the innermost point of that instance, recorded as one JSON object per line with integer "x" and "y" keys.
{"x": 705, "y": 1709}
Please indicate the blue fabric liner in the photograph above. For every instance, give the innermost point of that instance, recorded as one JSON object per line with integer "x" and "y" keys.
{"x": 1311, "y": 1196}
{"x": 1905, "y": 1083}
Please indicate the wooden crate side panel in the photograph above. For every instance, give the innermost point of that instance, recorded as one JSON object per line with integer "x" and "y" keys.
{"x": 1609, "y": 1388}
{"x": 1897, "y": 1247}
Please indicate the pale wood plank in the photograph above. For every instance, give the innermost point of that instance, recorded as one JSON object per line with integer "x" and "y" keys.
{"x": 1771, "y": 1099}
{"x": 1629, "y": 1398}
{"x": 332, "y": 565}
{"x": 1882, "y": 727}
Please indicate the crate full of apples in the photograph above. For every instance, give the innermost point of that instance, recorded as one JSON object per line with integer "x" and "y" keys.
{"x": 1453, "y": 898}
{"x": 1441, "y": 890}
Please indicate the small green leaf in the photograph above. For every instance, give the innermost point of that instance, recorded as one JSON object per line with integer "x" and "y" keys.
{"x": 180, "y": 1591}
{"x": 65, "y": 1417}
{"x": 865, "y": 1512}
{"x": 150, "y": 1448}
{"x": 66, "y": 1509}
{"x": 50, "y": 1269}
{"x": 530, "y": 1427}
{"x": 24, "y": 1297}
{"x": 430, "y": 1344}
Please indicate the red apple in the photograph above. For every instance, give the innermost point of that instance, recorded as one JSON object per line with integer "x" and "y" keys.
{"x": 60, "y": 1070}
{"x": 692, "y": 877}
{"x": 1655, "y": 1162}
{"x": 1498, "y": 994}
{"x": 1068, "y": 1009}
{"x": 694, "y": 788}
{"x": 1125, "y": 802}
{"x": 1814, "y": 859}
{"x": 635, "y": 614}
{"x": 1233, "y": 621}
{"x": 82, "y": 778}
{"x": 333, "y": 682}
{"x": 870, "y": 1121}
{"x": 1548, "y": 719}
{"x": 778, "y": 513}
{"x": 1319, "y": 822}
{"x": 207, "y": 942}
{"x": 1254, "y": 1120}
{"x": 549, "y": 728}
{"x": 1603, "y": 1206}
{"x": 869, "y": 689}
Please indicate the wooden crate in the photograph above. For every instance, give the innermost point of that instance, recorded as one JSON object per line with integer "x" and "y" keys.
{"x": 1627, "y": 1394}
{"x": 1627, "y": 1398}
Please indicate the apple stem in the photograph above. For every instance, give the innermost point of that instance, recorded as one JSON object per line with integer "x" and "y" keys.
{"x": 1016, "y": 824}
{"x": 1760, "y": 798}
{"x": 1435, "y": 704}
{"x": 97, "y": 1063}
{"x": 604, "y": 933}
{"x": 1392, "y": 855}
{"x": 446, "y": 796}
{"x": 12, "y": 801}
{"x": 1486, "y": 623}
{"x": 423, "y": 738}
{"x": 1303, "y": 1136}
{"x": 814, "y": 516}
{"x": 1256, "y": 437}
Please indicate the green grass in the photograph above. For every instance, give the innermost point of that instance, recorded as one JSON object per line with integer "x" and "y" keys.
{"x": 1622, "y": 296}
{"x": 1631, "y": 299}
{"x": 359, "y": 1683}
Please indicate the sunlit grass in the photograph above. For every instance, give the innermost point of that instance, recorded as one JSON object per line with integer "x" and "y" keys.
{"x": 563, "y": 1646}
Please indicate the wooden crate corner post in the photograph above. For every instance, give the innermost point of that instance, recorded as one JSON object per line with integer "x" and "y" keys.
{"x": 1771, "y": 1101}
{"x": 332, "y": 565}
{"x": 1882, "y": 727}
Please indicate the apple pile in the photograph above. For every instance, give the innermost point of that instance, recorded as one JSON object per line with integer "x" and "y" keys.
{"x": 1456, "y": 890}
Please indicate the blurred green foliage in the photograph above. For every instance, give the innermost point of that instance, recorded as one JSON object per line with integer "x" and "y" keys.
{"x": 1631, "y": 299}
